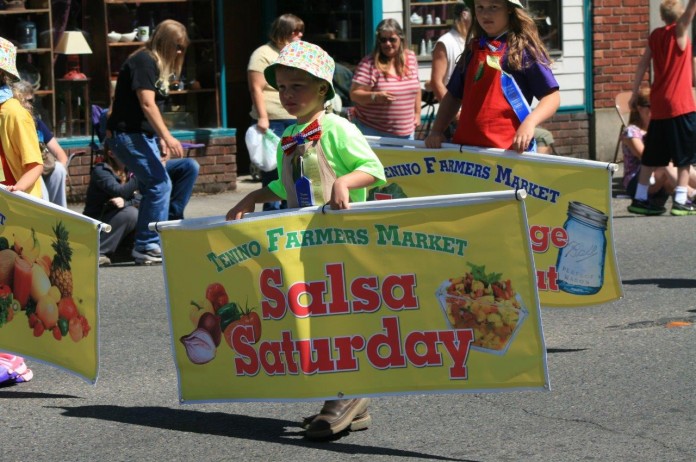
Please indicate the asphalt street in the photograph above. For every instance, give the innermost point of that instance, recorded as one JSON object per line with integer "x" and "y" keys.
{"x": 622, "y": 382}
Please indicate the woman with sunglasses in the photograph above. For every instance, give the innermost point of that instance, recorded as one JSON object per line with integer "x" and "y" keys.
{"x": 266, "y": 110}
{"x": 139, "y": 137}
{"x": 386, "y": 90}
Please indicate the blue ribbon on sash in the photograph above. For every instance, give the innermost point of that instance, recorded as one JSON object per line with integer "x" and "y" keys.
{"x": 515, "y": 97}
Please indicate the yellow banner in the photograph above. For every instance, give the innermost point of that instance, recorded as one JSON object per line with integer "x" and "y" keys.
{"x": 568, "y": 208}
{"x": 414, "y": 296}
{"x": 48, "y": 284}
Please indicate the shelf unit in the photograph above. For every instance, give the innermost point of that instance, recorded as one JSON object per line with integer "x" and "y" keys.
{"x": 198, "y": 103}
{"x": 417, "y": 32}
{"x": 34, "y": 64}
{"x": 336, "y": 26}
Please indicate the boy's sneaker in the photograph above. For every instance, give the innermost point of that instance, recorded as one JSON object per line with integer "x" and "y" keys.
{"x": 147, "y": 257}
{"x": 646, "y": 208}
{"x": 688, "y": 208}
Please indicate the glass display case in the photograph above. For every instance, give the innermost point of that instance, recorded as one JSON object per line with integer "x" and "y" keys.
{"x": 424, "y": 23}
{"x": 336, "y": 26}
{"x": 29, "y": 28}
{"x": 122, "y": 26}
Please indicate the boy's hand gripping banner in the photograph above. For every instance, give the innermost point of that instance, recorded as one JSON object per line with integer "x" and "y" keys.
{"x": 413, "y": 296}
{"x": 48, "y": 284}
{"x": 568, "y": 207}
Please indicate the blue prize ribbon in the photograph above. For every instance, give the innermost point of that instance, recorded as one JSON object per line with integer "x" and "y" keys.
{"x": 303, "y": 188}
{"x": 515, "y": 98}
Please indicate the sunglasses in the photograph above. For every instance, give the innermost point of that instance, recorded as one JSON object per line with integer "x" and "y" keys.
{"x": 391, "y": 40}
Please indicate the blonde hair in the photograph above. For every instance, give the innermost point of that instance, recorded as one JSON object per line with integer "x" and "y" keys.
{"x": 162, "y": 46}
{"x": 22, "y": 91}
{"x": 522, "y": 36}
{"x": 381, "y": 62}
{"x": 670, "y": 10}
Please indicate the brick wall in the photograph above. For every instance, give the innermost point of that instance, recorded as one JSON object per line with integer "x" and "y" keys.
{"x": 217, "y": 160}
{"x": 570, "y": 134}
{"x": 620, "y": 32}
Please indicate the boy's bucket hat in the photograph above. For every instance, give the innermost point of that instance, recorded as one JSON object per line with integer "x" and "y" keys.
{"x": 308, "y": 57}
{"x": 8, "y": 58}
{"x": 517, "y": 3}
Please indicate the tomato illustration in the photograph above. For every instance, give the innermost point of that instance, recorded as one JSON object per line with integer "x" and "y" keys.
{"x": 217, "y": 295}
{"x": 67, "y": 308}
{"x": 249, "y": 319}
{"x": 252, "y": 319}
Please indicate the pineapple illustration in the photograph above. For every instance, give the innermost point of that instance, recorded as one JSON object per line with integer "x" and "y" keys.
{"x": 61, "y": 276}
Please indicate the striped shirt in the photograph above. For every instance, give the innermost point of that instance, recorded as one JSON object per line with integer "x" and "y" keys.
{"x": 398, "y": 116}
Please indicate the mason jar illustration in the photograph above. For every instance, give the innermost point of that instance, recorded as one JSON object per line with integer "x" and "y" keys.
{"x": 580, "y": 264}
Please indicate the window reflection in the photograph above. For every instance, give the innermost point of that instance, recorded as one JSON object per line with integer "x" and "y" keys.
{"x": 547, "y": 16}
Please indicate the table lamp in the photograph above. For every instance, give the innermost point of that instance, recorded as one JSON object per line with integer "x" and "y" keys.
{"x": 73, "y": 43}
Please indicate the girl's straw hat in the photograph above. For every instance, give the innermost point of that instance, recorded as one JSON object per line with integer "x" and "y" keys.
{"x": 308, "y": 57}
{"x": 8, "y": 58}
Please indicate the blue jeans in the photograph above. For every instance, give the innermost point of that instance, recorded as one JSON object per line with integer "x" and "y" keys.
{"x": 55, "y": 185}
{"x": 140, "y": 153}
{"x": 183, "y": 174}
{"x": 277, "y": 127}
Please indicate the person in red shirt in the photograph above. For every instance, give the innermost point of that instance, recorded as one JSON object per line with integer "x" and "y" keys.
{"x": 672, "y": 129}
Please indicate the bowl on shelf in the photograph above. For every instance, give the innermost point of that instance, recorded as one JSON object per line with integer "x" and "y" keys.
{"x": 416, "y": 18}
{"x": 113, "y": 37}
{"x": 129, "y": 37}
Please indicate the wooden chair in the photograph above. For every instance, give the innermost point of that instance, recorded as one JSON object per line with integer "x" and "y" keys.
{"x": 623, "y": 111}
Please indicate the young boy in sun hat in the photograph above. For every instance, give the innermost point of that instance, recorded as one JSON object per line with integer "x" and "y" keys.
{"x": 22, "y": 164}
{"x": 332, "y": 152}
{"x": 322, "y": 159}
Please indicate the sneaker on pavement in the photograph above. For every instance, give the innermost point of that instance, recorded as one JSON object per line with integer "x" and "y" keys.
{"x": 688, "y": 208}
{"x": 646, "y": 208}
{"x": 104, "y": 260}
{"x": 147, "y": 257}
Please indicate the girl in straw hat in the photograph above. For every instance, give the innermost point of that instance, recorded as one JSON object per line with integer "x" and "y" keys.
{"x": 22, "y": 164}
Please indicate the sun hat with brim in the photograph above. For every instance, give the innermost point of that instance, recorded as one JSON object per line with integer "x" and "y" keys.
{"x": 308, "y": 57}
{"x": 517, "y": 3}
{"x": 8, "y": 58}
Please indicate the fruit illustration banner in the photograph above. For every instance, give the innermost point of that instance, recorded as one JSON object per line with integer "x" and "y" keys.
{"x": 393, "y": 297}
{"x": 48, "y": 284}
{"x": 568, "y": 208}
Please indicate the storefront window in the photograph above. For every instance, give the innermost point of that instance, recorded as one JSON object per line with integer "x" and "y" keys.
{"x": 547, "y": 16}
{"x": 338, "y": 26}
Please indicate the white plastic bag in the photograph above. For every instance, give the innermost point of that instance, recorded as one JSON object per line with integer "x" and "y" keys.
{"x": 262, "y": 148}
